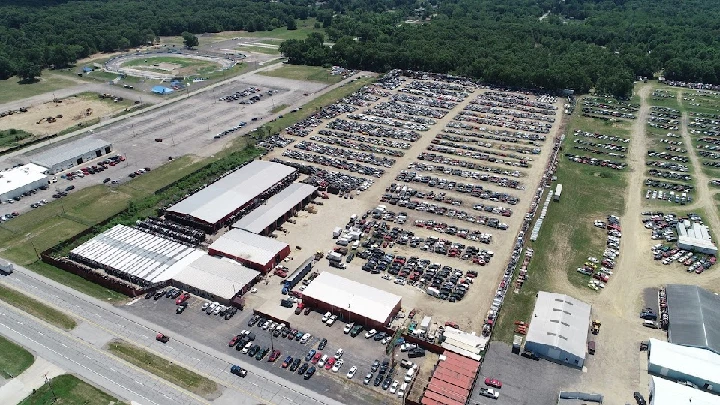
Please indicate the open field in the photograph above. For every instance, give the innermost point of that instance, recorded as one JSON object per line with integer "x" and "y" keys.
{"x": 36, "y": 308}
{"x": 67, "y": 389}
{"x": 12, "y": 137}
{"x": 174, "y": 65}
{"x": 14, "y": 359}
{"x": 306, "y": 73}
{"x": 11, "y": 89}
{"x": 304, "y": 28}
{"x": 163, "y": 368}
{"x": 268, "y": 50}
{"x": 70, "y": 112}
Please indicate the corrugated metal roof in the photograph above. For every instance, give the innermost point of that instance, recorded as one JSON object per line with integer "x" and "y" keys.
{"x": 694, "y": 317}
{"x": 219, "y": 276}
{"x": 361, "y": 299}
{"x": 248, "y": 246}
{"x": 17, "y": 177}
{"x": 448, "y": 390}
{"x": 560, "y": 321}
{"x": 700, "y": 363}
{"x": 275, "y": 207}
{"x": 440, "y": 399}
{"x": 135, "y": 253}
{"x": 464, "y": 343}
{"x": 666, "y": 392}
{"x": 68, "y": 151}
{"x": 233, "y": 191}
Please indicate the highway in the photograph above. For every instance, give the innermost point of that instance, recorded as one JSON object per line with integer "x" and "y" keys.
{"x": 80, "y": 351}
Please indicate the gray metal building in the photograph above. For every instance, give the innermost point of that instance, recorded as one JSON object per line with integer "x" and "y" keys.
{"x": 71, "y": 154}
{"x": 266, "y": 218}
{"x": 694, "y": 317}
{"x": 559, "y": 329}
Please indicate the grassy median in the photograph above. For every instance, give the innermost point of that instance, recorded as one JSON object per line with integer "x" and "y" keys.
{"x": 14, "y": 359}
{"x": 164, "y": 369}
{"x": 67, "y": 389}
{"x": 36, "y": 308}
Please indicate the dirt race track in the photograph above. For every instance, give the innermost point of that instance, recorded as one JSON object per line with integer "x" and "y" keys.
{"x": 74, "y": 111}
{"x": 619, "y": 368}
{"x": 163, "y": 70}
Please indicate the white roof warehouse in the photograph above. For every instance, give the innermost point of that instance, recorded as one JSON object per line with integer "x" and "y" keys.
{"x": 355, "y": 302}
{"x": 220, "y": 200}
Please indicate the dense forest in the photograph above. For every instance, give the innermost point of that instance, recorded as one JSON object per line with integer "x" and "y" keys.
{"x": 576, "y": 44}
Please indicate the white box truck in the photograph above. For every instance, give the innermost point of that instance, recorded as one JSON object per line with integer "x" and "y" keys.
{"x": 6, "y": 267}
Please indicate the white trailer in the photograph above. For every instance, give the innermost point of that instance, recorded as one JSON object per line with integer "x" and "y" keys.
{"x": 558, "y": 191}
{"x": 6, "y": 267}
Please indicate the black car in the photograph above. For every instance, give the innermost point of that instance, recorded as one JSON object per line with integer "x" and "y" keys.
{"x": 181, "y": 308}
{"x": 303, "y": 369}
{"x": 253, "y": 350}
{"x": 639, "y": 398}
{"x": 253, "y": 320}
{"x": 322, "y": 344}
{"x": 68, "y": 188}
{"x": 417, "y": 352}
{"x": 158, "y": 294}
{"x": 378, "y": 380}
{"x": 387, "y": 382}
{"x": 309, "y": 373}
{"x": 379, "y": 336}
{"x": 149, "y": 294}
{"x": 169, "y": 292}
{"x": 295, "y": 364}
{"x": 107, "y": 179}
{"x": 230, "y": 313}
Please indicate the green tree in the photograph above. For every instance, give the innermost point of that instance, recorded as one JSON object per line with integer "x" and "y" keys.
{"x": 291, "y": 24}
{"x": 28, "y": 71}
{"x": 189, "y": 40}
{"x": 6, "y": 68}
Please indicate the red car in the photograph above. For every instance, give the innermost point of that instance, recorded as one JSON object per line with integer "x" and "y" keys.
{"x": 299, "y": 308}
{"x": 451, "y": 324}
{"x": 493, "y": 382}
{"x": 182, "y": 298}
{"x": 316, "y": 357}
{"x": 329, "y": 363}
{"x": 162, "y": 338}
{"x": 234, "y": 340}
{"x": 274, "y": 356}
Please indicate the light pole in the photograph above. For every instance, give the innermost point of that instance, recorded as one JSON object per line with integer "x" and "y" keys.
{"x": 272, "y": 347}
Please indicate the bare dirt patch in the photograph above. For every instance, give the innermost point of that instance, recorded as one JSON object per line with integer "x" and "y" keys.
{"x": 74, "y": 110}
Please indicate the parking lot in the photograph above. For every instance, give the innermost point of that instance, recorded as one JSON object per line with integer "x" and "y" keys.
{"x": 185, "y": 127}
{"x": 524, "y": 381}
{"x": 216, "y": 332}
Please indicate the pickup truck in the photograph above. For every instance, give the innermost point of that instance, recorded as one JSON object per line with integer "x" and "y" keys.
{"x": 490, "y": 393}
{"x": 162, "y": 338}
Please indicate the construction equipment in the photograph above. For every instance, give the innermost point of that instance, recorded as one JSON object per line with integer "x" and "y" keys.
{"x": 319, "y": 255}
{"x": 596, "y": 327}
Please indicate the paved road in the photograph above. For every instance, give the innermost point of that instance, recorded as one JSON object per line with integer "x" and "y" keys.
{"x": 91, "y": 363}
{"x": 114, "y": 323}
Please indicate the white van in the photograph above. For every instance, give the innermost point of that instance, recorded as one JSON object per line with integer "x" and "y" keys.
{"x": 409, "y": 375}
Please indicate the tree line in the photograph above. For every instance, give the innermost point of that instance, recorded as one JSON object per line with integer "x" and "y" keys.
{"x": 35, "y": 34}
{"x": 575, "y": 44}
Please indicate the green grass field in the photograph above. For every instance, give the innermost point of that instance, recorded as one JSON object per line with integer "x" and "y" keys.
{"x": 306, "y": 73}
{"x": 151, "y": 60}
{"x": 14, "y": 359}
{"x": 36, "y": 308}
{"x": 164, "y": 369}
{"x": 278, "y": 108}
{"x": 12, "y": 137}
{"x": 258, "y": 49}
{"x": 11, "y": 89}
{"x": 567, "y": 236}
{"x": 67, "y": 389}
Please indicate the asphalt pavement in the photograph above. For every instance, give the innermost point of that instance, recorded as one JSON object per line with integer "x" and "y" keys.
{"x": 259, "y": 386}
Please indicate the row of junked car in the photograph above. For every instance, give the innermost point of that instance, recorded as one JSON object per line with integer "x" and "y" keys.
{"x": 600, "y": 270}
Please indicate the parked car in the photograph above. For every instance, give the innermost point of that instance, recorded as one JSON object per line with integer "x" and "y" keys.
{"x": 322, "y": 344}
{"x": 493, "y": 382}
{"x": 274, "y": 356}
{"x": 310, "y": 355}
{"x": 351, "y": 373}
{"x": 489, "y": 393}
{"x": 348, "y": 328}
{"x": 639, "y": 399}
{"x": 162, "y": 338}
{"x": 368, "y": 378}
{"x": 303, "y": 368}
{"x": 181, "y": 308}
{"x": 370, "y": 333}
{"x": 309, "y": 373}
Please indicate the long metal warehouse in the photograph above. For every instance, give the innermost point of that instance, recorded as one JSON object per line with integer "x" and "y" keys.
{"x": 217, "y": 203}
{"x": 264, "y": 219}
{"x": 71, "y": 154}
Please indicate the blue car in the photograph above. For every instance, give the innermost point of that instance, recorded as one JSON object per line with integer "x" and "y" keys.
{"x": 310, "y": 355}
{"x": 237, "y": 370}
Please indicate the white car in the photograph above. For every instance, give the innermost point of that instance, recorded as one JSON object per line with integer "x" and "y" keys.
{"x": 370, "y": 333}
{"x": 305, "y": 338}
{"x": 218, "y": 309}
{"x": 348, "y": 328}
{"x": 331, "y": 320}
{"x": 394, "y": 386}
{"x": 247, "y": 347}
{"x": 407, "y": 346}
{"x": 339, "y": 353}
{"x": 205, "y": 306}
{"x": 326, "y": 316}
{"x": 351, "y": 372}
{"x": 213, "y": 306}
{"x": 401, "y": 391}
{"x": 490, "y": 393}
{"x": 386, "y": 340}
{"x": 337, "y": 365}
{"x": 322, "y": 360}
